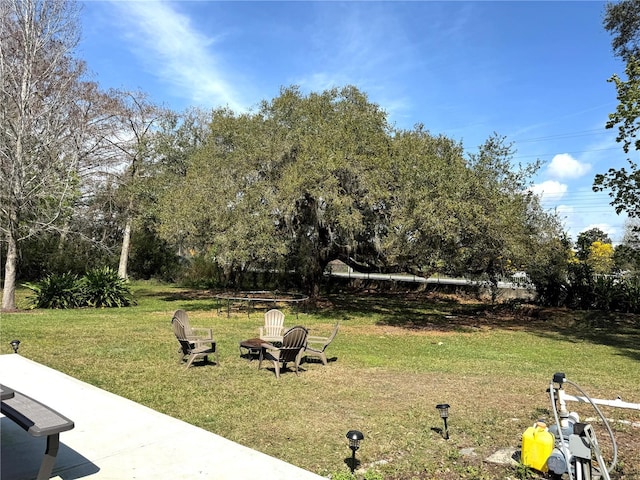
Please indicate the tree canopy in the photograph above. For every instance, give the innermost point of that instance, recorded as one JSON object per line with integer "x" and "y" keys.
{"x": 600, "y": 257}
{"x": 622, "y": 21}
{"x": 65, "y": 145}
{"x": 312, "y": 178}
{"x": 587, "y": 238}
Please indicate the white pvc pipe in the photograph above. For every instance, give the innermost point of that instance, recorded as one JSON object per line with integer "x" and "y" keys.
{"x": 610, "y": 403}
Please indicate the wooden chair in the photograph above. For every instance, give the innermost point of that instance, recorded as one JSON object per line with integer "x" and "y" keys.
{"x": 192, "y": 347}
{"x": 273, "y": 326}
{"x": 293, "y": 343}
{"x": 316, "y": 346}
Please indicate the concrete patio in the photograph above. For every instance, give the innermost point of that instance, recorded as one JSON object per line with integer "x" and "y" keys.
{"x": 115, "y": 438}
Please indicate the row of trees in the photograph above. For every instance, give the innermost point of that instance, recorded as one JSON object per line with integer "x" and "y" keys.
{"x": 302, "y": 181}
{"x": 93, "y": 176}
{"x": 64, "y": 143}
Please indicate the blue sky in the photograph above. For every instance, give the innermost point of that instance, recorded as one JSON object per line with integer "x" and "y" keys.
{"x": 535, "y": 72}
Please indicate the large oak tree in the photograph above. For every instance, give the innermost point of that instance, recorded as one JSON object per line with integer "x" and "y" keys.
{"x": 312, "y": 178}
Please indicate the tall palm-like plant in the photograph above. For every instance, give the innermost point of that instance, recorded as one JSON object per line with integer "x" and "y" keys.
{"x": 103, "y": 287}
{"x": 56, "y": 291}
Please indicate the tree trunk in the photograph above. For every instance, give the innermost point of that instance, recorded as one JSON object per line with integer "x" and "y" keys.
{"x": 317, "y": 275}
{"x": 126, "y": 244}
{"x": 9, "y": 289}
{"x": 124, "y": 253}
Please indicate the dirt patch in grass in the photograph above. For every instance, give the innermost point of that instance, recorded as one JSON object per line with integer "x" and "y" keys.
{"x": 437, "y": 311}
{"x": 486, "y": 416}
{"x": 403, "y": 431}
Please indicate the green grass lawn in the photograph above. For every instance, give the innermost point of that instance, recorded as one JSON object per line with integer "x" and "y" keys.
{"x": 394, "y": 359}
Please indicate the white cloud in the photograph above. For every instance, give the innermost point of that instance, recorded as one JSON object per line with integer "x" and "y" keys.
{"x": 173, "y": 50}
{"x": 551, "y": 190}
{"x": 565, "y": 209}
{"x": 564, "y": 165}
{"x": 321, "y": 81}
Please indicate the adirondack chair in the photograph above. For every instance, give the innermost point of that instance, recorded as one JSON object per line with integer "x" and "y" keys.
{"x": 192, "y": 347}
{"x": 204, "y": 335}
{"x": 316, "y": 346}
{"x": 273, "y": 326}
{"x": 293, "y": 342}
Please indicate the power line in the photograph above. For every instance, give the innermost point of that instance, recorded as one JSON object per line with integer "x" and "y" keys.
{"x": 560, "y": 136}
{"x": 582, "y": 133}
{"x": 588, "y": 195}
{"x": 537, "y": 155}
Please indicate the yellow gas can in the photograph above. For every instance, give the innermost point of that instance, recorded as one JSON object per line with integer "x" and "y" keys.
{"x": 537, "y": 445}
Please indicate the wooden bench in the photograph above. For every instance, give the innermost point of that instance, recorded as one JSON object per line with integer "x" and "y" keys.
{"x": 38, "y": 420}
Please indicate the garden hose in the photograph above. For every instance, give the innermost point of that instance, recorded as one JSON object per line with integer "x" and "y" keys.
{"x": 563, "y": 444}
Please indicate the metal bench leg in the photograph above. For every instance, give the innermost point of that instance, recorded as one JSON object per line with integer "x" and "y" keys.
{"x": 53, "y": 443}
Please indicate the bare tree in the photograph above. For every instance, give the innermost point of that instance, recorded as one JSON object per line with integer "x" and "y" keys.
{"x": 42, "y": 98}
{"x": 138, "y": 119}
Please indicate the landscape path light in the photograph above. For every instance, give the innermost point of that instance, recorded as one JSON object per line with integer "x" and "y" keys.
{"x": 15, "y": 344}
{"x": 354, "y": 437}
{"x": 443, "y": 408}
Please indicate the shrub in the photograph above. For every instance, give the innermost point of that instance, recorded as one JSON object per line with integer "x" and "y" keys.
{"x": 56, "y": 291}
{"x": 102, "y": 287}
{"x": 152, "y": 257}
{"x": 630, "y": 294}
{"x": 48, "y": 254}
{"x": 201, "y": 272}
{"x": 581, "y": 286}
{"x": 606, "y": 294}
{"x": 551, "y": 286}
{"x": 547, "y": 271}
